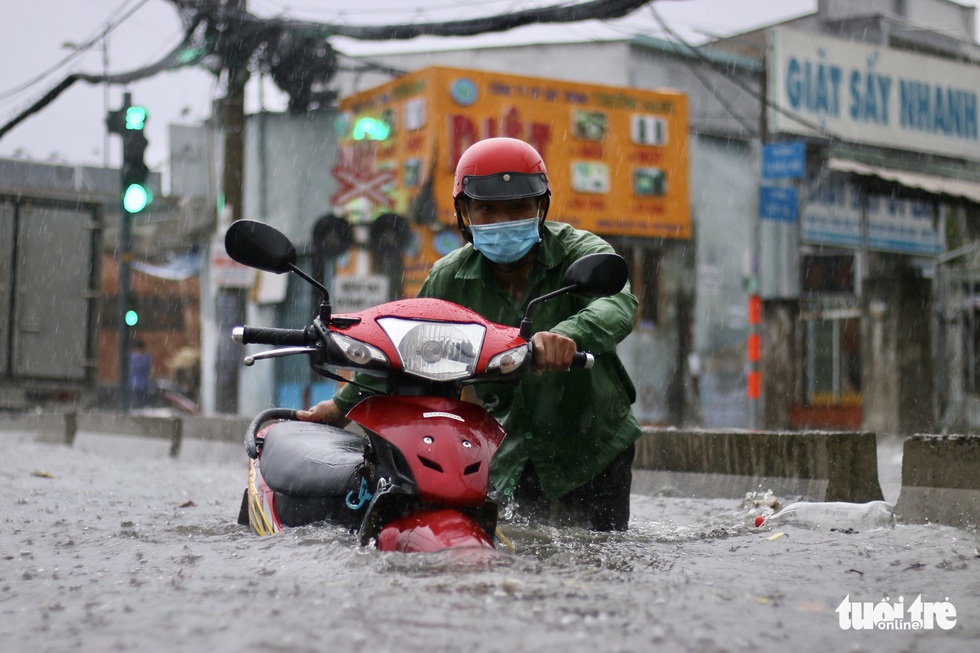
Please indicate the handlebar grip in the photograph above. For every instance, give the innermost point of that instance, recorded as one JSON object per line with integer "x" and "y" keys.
{"x": 246, "y": 335}
{"x": 583, "y": 359}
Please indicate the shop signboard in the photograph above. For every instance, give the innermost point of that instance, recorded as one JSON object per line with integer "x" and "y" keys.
{"x": 353, "y": 293}
{"x": 832, "y": 215}
{"x": 833, "y": 88}
{"x": 617, "y": 158}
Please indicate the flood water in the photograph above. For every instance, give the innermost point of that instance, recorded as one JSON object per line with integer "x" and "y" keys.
{"x": 113, "y": 550}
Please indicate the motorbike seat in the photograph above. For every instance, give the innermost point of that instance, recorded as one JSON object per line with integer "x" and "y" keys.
{"x": 303, "y": 459}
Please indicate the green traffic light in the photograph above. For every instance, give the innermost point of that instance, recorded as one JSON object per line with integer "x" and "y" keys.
{"x": 132, "y": 317}
{"x": 136, "y": 198}
{"x": 135, "y": 118}
{"x": 371, "y": 129}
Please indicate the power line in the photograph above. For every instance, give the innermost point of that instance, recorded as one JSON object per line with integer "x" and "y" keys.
{"x": 711, "y": 88}
{"x": 110, "y": 26}
{"x": 558, "y": 13}
{"x": 760, "y": 96}
{"x": 297, "y": 52}
{"x": 176, "y": 58}
{"x": 348, "y": 11}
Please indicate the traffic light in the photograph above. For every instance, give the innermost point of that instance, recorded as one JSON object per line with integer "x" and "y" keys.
{"x": 371, "y": 129}
{"x": 136, "y": 192}
{"x": 132, "y": 318}
{"x": 129, "y": 122}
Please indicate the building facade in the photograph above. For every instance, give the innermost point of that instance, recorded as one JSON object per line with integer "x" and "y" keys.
{"x": 878, "y": 100}
{"x": 858, "y": 244}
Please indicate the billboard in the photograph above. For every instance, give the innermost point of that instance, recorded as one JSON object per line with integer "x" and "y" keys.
{"x": 617, "y": 158}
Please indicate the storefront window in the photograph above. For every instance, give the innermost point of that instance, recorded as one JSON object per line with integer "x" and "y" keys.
{"x": 833, "y": 361}
{"x": 644, "y": 267}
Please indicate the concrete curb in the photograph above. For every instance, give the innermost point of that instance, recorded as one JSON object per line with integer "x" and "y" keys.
{"x": 819, "y": 466}
{"x": 940, "y": 474}
{"x": 941, "y": 480}
{"x": 66, "y": 427}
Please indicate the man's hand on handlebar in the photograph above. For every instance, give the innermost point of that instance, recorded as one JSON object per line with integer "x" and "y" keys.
{"x": 552, "y": 352}
{"x": 325, "y": 412}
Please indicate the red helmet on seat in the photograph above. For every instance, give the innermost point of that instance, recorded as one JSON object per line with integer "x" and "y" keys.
{"x": 500, "y": 169}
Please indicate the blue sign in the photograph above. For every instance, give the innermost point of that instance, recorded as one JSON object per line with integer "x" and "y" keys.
{"x": 784, "y": 160}
{"x": 464, "y": 92}
{"x": 778, "y": 203}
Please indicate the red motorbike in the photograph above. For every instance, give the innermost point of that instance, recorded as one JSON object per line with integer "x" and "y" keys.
{"x": 411, "y": 470}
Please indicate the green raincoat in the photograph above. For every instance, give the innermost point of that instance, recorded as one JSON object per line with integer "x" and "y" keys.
{"x": 569, "y": 424}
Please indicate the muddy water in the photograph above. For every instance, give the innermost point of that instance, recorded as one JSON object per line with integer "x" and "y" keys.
{"x": 103, "y": 551}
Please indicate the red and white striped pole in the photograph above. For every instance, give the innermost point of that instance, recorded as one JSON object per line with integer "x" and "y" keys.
{"x": 754, "y": 356}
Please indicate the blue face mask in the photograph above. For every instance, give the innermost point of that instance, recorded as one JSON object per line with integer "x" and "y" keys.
{"x": 506, "y": 242}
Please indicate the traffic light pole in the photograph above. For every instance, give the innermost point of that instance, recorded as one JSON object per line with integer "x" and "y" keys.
{"x": 134, "y": 193}
{"x": 125, "y": 257}
{"x": 231, "y": 301}
{"x": 125, "y": 345}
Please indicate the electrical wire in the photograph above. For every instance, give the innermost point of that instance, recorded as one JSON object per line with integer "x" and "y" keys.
{"x": 110, "y": 26}
{"x": 362, "y": 65}
{"x": 748, "y": 126}
{"x": 174, "y": 59}
{"x": 387, "y": 10}
{"x": 760, "y": 96}
{"x": 233, "y": 34}
{"x": 559, "y": 13}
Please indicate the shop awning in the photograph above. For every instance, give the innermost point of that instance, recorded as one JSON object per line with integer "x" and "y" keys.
{"x": 967, "y": 190}
{"x": 180, "y": 268}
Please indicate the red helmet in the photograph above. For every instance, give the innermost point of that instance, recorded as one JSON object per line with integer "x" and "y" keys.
{"x": 500, "y": 169}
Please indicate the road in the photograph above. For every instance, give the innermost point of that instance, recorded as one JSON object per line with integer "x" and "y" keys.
{"x": 112, "y": 546}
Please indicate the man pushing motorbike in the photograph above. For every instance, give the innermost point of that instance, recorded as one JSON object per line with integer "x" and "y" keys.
{"x": 571, "y": 432}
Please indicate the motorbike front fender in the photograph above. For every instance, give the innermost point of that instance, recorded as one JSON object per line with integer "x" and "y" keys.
{"x": 433, "y": 530}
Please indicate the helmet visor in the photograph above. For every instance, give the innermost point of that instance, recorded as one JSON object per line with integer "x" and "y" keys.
{"x": 505, "y": 186}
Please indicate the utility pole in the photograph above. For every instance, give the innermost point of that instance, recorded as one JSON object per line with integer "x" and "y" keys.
{"x": 104, "y": 41}
{"x": 105, "y": 93}
{"x": 231, "y": 301}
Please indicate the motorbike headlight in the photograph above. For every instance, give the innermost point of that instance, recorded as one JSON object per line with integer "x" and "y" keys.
{"x": 439, "y": 351}
{"x": 509, "y": 360}
{"x": 357, "y": 352}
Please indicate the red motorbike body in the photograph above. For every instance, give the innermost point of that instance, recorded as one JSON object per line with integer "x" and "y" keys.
{"x": 433, "y": 530}
{"x": 428, "y": 455}
{"x": 446, "y": 444}
{"x": 414, "y": 468}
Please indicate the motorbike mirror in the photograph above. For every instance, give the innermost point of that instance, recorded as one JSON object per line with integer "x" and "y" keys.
{"x": 260, "y": 246}
{"x": 265, "y": 248}
{"x": 596, "y": 275}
